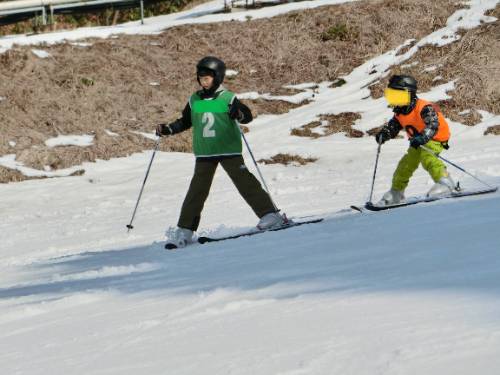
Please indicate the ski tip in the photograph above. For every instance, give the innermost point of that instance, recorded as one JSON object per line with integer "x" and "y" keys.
{"x": 170, "y": 246}
{"x": 203, "y": 240}
{"x": 356, "y": 208}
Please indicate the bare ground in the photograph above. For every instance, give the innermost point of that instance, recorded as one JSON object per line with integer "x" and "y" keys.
{"x": 473, "y": 63}
{"x": 131, "y": 83}
{"x": 330, "y": 124}
{"x": 287, "y": 159}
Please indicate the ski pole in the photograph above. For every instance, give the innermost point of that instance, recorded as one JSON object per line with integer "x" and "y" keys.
{"x": 256, "y": 166}
{"x": 456, "y": 166}
{"x": 157, "y": 146}
{"x": 375, "y": 171}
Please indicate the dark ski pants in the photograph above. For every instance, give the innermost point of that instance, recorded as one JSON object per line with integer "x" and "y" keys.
{"x": 246, "y": 183}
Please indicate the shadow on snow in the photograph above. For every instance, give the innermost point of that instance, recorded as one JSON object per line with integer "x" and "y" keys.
{"x": 447, "y": 246}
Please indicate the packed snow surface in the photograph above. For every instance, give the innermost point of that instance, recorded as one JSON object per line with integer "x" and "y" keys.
{"x": 407, "y": 291}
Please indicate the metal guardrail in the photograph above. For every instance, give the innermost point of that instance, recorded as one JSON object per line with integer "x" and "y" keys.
{"x": 11, "y": 9}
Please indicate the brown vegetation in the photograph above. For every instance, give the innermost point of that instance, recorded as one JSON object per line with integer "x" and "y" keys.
{"x": 286, "y": 159}
{"x": 495, "y": 130}
{"x": 473, "y": 62}
{"x": 104, "y": 17}
{"x": 273, "y": 107}
{"x": 9, "y": 175}
{"x": 330, "y": 124}
{"x": 131, "y": 83}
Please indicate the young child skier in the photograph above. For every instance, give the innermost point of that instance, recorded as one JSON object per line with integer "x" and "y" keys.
{"x": 214, "y": 113}
{"x": 425, "y": 125}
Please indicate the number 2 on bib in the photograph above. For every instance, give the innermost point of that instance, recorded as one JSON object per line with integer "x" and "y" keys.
{"x": 208, "y": 121}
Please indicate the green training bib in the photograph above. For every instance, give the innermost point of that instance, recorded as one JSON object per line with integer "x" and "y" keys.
{"x": 214, "y": 132}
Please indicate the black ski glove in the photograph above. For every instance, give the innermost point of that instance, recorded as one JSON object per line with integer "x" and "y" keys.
{"x": 418, "y": 140}
{"x": 163, "y": 129}
{"x": 235, "y": 112}
{"x": 383, "y": 135}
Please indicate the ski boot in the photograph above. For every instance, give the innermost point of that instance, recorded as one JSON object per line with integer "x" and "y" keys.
{"x": 178, "y": 238}
{"x": 445, "y": 186}
{"x": 272, "y": 220}
{"x": 392, "y": 197}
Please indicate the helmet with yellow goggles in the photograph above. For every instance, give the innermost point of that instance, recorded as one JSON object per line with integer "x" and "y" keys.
{"x": 397, "y": 98}
{"x": 400, "y": 90}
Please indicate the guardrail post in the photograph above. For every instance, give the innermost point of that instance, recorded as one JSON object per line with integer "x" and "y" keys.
{"x": 44, "y": 16}
{"x": 51, "y": 15}
{"x": 142, "y": 12}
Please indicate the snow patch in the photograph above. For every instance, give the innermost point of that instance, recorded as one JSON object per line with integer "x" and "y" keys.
{"x": 9, "y": 161}
{"x": 431, "y": 68}
{"x": 110, "y": 133}
{"x": 70, "y": 140}
{"x": 298, "y": 98}
{"x": 302, "y": 86}
{"x": 411, "y": 65}
{"x": 40, "y": 53}
{"x": 81, "y": 44}
{"x": 151, "y": 136}
{"x": 253, "y": 95}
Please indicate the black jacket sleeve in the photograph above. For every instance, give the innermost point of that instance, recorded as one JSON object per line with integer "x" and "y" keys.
{"x": 431, "y": 120}
{"x": 393, "y": 126}
{"x": 183, "y": 123}
{"x": 247, "y": 114}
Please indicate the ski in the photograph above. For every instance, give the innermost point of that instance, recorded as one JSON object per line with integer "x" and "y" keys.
{"x": 205, "y": 239}
{"x": 416, "y": 200}
{"x": 292, "y": 224}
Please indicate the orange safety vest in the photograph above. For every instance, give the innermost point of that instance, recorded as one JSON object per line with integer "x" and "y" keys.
{"x": 413, "y": 121}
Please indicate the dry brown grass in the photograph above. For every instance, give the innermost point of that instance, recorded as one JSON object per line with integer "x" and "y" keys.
{"x": 9, "y": 175}
{"x": 273, "y": 107}
{"x": 107, "y": 86}
{"x": 103, "y": 17}
{"x": 307, "y": 130}
{"x": 495, "y": 130}
{"x": 474, "y": 64}
{"x": 330, "y": 124}
{"x": 287, "y": 159}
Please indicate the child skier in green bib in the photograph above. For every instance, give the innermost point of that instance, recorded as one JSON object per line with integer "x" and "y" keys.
{"x": 214, "y": 114}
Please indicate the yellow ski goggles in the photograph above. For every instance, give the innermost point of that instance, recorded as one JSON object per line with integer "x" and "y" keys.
{"x": 397, "y": 98}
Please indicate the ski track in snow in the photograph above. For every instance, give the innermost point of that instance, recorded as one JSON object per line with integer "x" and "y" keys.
{"x": 408, "y": 291}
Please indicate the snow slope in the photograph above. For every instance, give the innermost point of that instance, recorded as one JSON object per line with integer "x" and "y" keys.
{"x": 409, "y": 291}
{"x": 357, "y": 294}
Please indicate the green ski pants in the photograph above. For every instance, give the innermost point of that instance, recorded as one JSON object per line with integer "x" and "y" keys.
{"x": 410, "y": 162}
{"x": 246, "y": 183}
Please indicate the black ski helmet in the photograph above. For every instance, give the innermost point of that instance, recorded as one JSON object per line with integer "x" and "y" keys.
{"x": 403, "y": 82}
{"x": 214, "y": 65}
